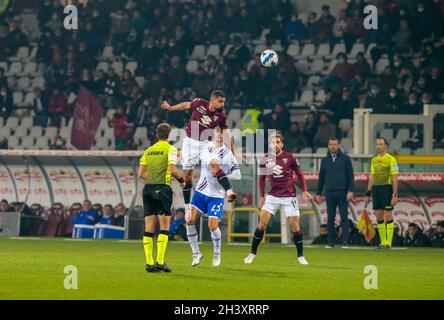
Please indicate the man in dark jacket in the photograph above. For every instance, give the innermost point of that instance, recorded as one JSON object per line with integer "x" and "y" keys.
{"x": 414, "y": 237}
{"x": 336, "y": 179}
{"x": 437, "y": 239}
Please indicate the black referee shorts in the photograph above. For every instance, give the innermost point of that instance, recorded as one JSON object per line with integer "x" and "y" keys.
{"x": 382, "y": 197}
{"x": 157, "y": 199}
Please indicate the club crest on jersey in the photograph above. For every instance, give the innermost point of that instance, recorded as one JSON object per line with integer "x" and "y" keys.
{"x": 285, "y": 160}
{"x": 215, "y": 118}
{"x": 269, "y": 163}
{"x": 210, "y": 149}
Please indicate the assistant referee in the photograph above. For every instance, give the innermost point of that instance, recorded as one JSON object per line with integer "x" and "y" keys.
{"x": 157, "y": 165}
{"x": 383, "y": 186}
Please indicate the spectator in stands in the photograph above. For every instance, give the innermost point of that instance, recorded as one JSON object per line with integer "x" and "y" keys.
{"x": 6, "y": 103}
{"x": 108, "y": 215}
{"x": 40, "y": 106}
{"x": 340, "y": 26}
{"x": 361, "y": 70}
{"x": 3, "y": 79}
{"x": 322, "y": 238}
{"x": 340, "y": 75}
{"x": 312, "y": 25}
{"x": 437, "y": 238}
{"x": 58, "y": 107}
{"x": 5, "y": 207}
{"x": 119, "y": 122}
{"x": 376, "y": 99}
{"x": 87, "y": 215}
{"x": 402, "y": 37}
{"x": 413, "y": 105}
{"x": 178, "y": 230}
{"x": 295, "y": 29}
{"x": 279, "y": 119}
{"x": 310, "y": 127}
{"x": 388, "y": 79}
{"x": 414, "y": 237}
{"x": 98, "y": 208}
{"x": 237, "y": 56}
{"x": 58, "y": 143}
{"x": 325, "y": 131}
{"x": 16, "y": 37}
{"x": 324, "y": 30}
{"x": 355, "y": 238}
{"x": 397, "y": 239}
{"x": 395, "y": 101}
{"x": 435, "y": 83}
{"x": 119, "y": 215}
{"x": 344, "y": 107}
{"x": 294, "y": 139}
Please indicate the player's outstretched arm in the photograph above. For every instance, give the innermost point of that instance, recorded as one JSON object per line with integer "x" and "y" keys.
{"x": 177, "y": 107}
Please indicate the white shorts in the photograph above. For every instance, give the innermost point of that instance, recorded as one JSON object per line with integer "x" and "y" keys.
{"x": 190, "y": 152}
{"x": 289, "y": 204}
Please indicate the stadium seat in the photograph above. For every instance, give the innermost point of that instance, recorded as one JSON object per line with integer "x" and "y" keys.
{"x": 29, "y": 98}
{"x": 17, "y": 98}
{"x": 21, "y": 132}
{"x": 23, "y": 84}
{"x": 14, "y": 69}
{"x": 27, "y": 143}
{"x": 306, "y": 150}
{"x": 107, "y": 53}
{"x": 338, "y": 48}
{"x": 395, "y": 145}
{"x": 65, "y": 132}
{"x": 103, "y": 65}
{"x": 132, "y": 66}
{"x": 192, "y": 66}
{"x": 213, "y": 50}
{"x": 5, "y": 132}
{"x": 259, "y": 48}
{"x": 227, "y": 48}
{"x": 1, "y": 121}
{"x": 357, "y": 48}
{"x": 320, "y": 96}
{"x": 345, "y": 124}
{"x": 262, "y": 38}
{"x": 141, "y": 133}
{"x": 13, "y": 142}
{"x": 321, "y": 151}
{"x": 316, "y": 66}
{"x": 103, "y": 143}
{"x": 313, "y": 81}
{"x": 405, "y": 151}
{"x": 140, "y": 81}
{"x": 42, "y": 143}
{"x": 347, "y": 145}
{"x": 308, "y": 50}
{"x": 306, "y": 96}
{"x": 198, "y": 52}
{"x": 293, "y": 50}
{"x": 4, "y": 65}
{"x": 38, "y": 82}
{"x": 419, "y": 151}
{"x": 33, "y": 53}
{"x": 27, "y": 122}
{"x": 22, "y": 54}
{"x": 403, "y": 134}
{"x": 12, "y": 123}
{"x": 381, "y": 64}
{"x": 36, "y": 132}
{"x": 369, "y": 49}
{"x": 303, "y": 65}
{"x": 323, "y": 51}
{"x": 51, "y": 132}
{"x": 387, "y": 133}
{"x": 30, "y": 69}
{"x": 110, "y": 113}
{"x": 118, "y": 67}
{"x": 438, "y": 152}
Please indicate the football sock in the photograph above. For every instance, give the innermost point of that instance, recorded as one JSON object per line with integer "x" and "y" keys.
{"x": 162, "y": 242}
{"x": 187, "y": 192}
{"x": 148, "y": 247}
{"x": 216, "y": 236}
{"x": 299, "y": 242}
{"x": 192, "y": 238}
{"x": 257, "y": 238}
{"x": 390, "y": 229}
{"x": 382, "y": 233}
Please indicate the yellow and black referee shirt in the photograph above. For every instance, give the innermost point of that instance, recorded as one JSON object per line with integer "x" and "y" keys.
{"x": 157, "y": 158}
{"x": 383, "y": 168}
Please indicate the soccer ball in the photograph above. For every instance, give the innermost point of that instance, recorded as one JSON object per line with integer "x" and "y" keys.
{"x": 269, "y": 58}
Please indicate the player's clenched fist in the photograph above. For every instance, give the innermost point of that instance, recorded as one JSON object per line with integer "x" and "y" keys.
{"x": 165, "y": 105}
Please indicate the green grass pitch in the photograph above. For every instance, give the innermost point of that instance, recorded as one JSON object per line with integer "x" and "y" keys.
{"x": 109, "y": 269}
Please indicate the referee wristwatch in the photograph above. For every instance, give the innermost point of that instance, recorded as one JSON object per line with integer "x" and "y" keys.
{"x": 395, "y": 195}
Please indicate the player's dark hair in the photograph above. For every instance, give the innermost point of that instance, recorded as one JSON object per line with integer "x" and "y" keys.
{"x": 217, "y": 94}
{"x": 384, "y": 139}
{"x": 334, "y": 139}
{"x": 163, "y": 131}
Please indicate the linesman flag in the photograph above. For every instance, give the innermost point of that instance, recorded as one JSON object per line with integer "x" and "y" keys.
{"x": 365, "y": 226}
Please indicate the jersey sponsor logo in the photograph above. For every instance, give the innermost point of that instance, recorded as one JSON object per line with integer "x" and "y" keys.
{"x": 269, "y": 163}
{"x": 205, "y": 121}
{"x": 277, "y": 171}
{"x": 154, "y": 153}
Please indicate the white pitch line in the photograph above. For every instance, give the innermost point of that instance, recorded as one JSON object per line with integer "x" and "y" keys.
{"x": 238, "y": 244}
{"x": 21, "y": 238}
{"x": 84, "y": 240}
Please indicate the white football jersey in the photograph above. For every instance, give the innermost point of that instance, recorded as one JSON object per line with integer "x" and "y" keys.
{"x": 209, "y": 185}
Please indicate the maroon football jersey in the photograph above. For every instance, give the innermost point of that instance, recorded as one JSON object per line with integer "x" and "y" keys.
{"x": 204, "y": 119}
{"x": 279, "y": 171}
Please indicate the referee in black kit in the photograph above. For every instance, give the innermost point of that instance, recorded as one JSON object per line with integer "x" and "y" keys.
{"x": 336, "y": 179}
